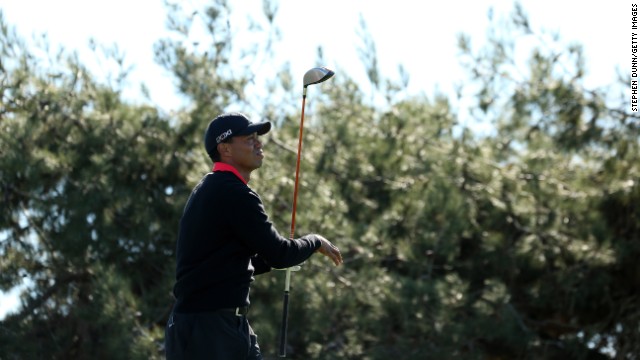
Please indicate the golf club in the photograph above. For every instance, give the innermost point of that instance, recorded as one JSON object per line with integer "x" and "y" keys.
{"x": 311, "y": 77}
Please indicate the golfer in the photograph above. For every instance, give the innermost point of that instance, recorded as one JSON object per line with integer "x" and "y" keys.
{"x": 225, "y": 238}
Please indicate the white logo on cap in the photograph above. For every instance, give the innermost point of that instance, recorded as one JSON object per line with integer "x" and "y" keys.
{"x": 223, "y": 136}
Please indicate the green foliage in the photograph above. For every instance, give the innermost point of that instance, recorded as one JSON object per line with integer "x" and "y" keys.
{"x": 517, "y": 244}
{"x": 89, "y": 200}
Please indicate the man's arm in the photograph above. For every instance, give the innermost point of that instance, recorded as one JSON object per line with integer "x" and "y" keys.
{"x": 251, "y": 224}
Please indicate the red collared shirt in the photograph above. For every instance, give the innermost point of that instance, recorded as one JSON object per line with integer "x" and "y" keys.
{"x": 220, "y": 166}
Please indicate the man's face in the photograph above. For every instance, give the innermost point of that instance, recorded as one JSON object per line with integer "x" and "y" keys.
{"x": 246, "y": 152}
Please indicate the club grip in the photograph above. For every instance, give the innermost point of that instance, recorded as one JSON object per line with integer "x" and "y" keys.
{"x": 283, "y": 328}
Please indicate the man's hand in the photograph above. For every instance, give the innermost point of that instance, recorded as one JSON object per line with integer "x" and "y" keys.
{"x": 329, "y": 250}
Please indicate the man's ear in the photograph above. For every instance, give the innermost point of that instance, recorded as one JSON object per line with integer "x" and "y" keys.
{"x": 224, "y": 150}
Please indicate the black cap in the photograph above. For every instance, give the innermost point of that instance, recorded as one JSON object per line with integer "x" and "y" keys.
{"x": 231, "y": 124}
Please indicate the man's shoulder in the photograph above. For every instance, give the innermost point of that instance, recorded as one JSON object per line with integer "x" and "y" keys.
{"x": 225, "y": 181}
{"x": 223, "y": 177}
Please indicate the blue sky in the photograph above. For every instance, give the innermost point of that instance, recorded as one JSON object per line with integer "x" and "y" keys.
{"x": 420, "y": 35}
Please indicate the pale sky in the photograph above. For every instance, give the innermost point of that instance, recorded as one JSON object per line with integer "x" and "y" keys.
{"x": 420, "y": 35}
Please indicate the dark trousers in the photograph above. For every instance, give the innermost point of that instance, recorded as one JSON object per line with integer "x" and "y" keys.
{"x": 213, "y": 335}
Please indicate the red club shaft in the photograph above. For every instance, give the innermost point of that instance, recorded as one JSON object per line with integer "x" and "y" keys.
{"x": 295, "y": 186}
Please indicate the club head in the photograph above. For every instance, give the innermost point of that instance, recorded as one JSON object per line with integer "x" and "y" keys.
{"x": 317, "y": 75}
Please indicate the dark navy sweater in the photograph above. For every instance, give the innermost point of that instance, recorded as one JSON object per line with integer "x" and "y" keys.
{"x": 225, "y": 237}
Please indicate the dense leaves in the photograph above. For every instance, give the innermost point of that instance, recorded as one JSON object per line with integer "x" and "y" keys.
{"x": 517, "y": 243}
{"x": 89, "y": 188}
